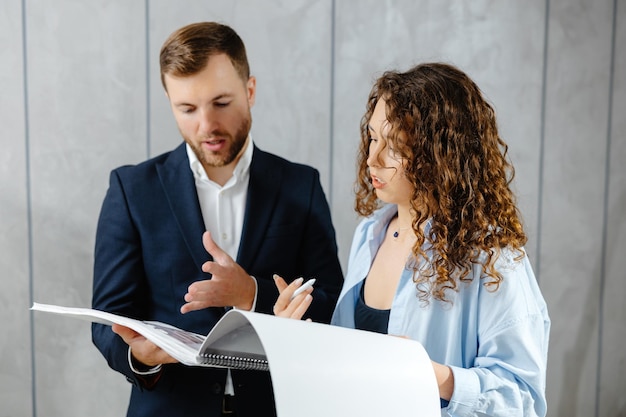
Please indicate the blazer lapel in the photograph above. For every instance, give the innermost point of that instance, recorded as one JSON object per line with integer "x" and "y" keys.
{"x": 180, "y": 188}
{"x": 265, "y": 179}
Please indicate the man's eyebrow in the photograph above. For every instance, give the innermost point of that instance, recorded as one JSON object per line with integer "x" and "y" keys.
{"x": 217, "y": 97}
{"x": 221, "y": 96}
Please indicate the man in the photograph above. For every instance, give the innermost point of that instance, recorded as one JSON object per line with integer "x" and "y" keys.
{"x": 152, "y": 260}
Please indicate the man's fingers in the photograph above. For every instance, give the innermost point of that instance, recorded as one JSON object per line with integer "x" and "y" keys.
{"x": 193, "y": 306}
{"x": 215, "y": 251}
{"x": 199, "y": 295}
{"x": 214, "y": 268}
{"x": 125, "y": 333}
{"x": 200, "y": 286}
{"x": 230, "y": 284}
{"x": 143, "y": 349}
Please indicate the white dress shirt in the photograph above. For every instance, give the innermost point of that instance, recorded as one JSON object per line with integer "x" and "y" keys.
{"x": 223, "y": 208}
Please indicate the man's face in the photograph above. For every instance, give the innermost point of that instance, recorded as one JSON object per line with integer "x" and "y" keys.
{"x": 212, "y": 111}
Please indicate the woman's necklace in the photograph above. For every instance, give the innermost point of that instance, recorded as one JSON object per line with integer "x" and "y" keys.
{"x": 396, "y": 233}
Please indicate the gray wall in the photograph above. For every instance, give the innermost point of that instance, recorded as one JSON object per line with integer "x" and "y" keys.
{"x": 81, "y": 95}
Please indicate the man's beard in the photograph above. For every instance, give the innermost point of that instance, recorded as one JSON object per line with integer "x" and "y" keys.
{"x": 216, "y": 160}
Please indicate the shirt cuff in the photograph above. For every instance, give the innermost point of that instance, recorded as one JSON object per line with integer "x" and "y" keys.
{"x": 149, "y": 371}
{"x": 256, "y": 293}
{"x": 466, "y": 391}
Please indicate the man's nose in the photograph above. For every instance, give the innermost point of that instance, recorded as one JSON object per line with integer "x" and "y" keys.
{"x": 208, "y": 122}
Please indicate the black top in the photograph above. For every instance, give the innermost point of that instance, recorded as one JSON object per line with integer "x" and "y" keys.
{"x": 368, "y": 318}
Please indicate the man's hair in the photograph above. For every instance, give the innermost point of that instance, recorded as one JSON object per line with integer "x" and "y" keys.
{"x": 187, "y": 50}
{"x": 446, "y": 133}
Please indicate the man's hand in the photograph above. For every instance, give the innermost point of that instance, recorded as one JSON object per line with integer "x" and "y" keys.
{"x": 229, "y": 286}
{"x": 143, "y": 350}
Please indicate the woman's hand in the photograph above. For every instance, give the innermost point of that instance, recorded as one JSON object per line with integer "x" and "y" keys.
{"x": 444, "y": 376}
{"x": 445, "y": 380}
{"x": 285, "y": 306}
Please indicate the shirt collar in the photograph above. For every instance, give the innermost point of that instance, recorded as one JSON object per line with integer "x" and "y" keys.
{"x": 241, "y": 169}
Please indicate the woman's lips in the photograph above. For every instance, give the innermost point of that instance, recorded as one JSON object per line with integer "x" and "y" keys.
{"x": 377, "y": 182}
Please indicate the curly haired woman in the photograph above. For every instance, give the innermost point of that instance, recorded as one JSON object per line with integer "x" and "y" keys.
{"x": 439, "y": 255}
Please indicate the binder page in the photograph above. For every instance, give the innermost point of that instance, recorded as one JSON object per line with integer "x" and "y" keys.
{"x": 233, "y": 335}
{"x": 180, "y": 344}
{"x": 322, "y": 370}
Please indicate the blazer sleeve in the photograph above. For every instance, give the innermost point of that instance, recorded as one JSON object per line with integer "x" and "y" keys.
{"x": 319, "y": 255}
{"x": 118, "y": 266}
{"x": 307, "y": 250}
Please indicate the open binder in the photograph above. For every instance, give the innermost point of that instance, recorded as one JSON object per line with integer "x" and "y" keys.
{"x": 316, "y": 369}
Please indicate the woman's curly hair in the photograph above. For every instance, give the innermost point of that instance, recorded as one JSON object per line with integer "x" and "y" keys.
{"x": 446, "y": 133}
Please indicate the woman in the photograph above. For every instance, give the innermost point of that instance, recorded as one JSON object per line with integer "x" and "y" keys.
{"x": 439, "y": 255}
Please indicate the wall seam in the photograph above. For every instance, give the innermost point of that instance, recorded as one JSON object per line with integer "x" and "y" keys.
{"x": 29, "y": 222}
{"x": 148, "y": 97}
{"x": 542, "y": 140}
{"x": 331, "y": 123}
{"x": 605, "y": 209}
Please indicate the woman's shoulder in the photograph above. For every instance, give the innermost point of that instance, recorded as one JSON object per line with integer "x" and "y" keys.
{"x": 518, "y": 288}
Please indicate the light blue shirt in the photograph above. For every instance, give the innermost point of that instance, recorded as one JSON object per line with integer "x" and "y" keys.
{"x": 496, "y": 343}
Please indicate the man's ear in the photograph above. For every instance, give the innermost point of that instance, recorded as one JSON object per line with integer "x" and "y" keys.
{"x": 251, "y": 88}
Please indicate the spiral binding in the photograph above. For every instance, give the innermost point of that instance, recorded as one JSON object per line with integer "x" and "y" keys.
{"x": 235, "y": 362}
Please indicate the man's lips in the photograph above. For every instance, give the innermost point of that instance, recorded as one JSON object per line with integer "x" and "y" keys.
{"x": 214, "y": 144}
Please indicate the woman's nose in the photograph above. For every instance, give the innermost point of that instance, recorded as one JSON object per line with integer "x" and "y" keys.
{"x": 373, "y": 157}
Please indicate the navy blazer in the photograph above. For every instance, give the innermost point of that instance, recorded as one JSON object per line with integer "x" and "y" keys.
{"x": 149, "y": 250}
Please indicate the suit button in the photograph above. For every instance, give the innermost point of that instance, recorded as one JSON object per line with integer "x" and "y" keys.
{"x": 216, "y": 388}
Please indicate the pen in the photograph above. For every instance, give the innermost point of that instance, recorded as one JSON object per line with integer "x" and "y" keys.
{"x": 303, "y": 287}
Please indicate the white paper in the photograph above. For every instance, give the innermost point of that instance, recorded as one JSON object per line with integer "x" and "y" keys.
{"x": 322, "y": 370}
{"x": 179, "y": 344}
{"x": 316, "y": 369}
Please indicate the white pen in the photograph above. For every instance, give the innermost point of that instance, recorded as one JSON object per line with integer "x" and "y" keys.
{"x": 303, "y": 287}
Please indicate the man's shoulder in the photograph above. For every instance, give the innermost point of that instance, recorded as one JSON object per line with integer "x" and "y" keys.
{"x": 269, "y": 159}
{"x": 149, "y": 165}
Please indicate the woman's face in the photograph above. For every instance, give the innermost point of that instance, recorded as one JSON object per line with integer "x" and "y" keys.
{"x": 385, "y": 166}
